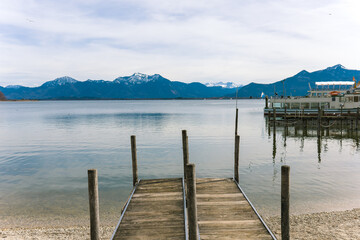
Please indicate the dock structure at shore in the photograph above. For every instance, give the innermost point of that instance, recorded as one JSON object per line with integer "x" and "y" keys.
{"x": 192, "y": 208}
{"x": 156, "y": 210}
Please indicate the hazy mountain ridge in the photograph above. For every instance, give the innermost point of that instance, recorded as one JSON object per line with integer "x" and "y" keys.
{"x": 142, "y": 86}
{"x": 298, "y": 85}
{"x": 135, "y": 86}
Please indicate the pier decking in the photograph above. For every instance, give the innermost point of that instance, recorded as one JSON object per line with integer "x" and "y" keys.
{"x": 156, "y": 210}
{"x": 224, "y": 213}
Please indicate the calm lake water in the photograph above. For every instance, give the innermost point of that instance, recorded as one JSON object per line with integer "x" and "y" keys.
{"x": 47, "y": 146}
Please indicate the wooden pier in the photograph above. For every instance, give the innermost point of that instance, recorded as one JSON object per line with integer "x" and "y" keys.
{"x": 190, "y": 208}
{"x": 156, "y": 210}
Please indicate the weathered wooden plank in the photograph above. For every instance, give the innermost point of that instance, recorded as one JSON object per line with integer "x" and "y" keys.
{"x": 155, "y": 212}
{"x": 224, "y": 213}
{"x": 142, "y": 195}
{"x": 223, "y": 195}
{"x": 243, "y": 202}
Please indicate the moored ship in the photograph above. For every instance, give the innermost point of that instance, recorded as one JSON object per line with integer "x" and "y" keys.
{"x": 331, "y": 98}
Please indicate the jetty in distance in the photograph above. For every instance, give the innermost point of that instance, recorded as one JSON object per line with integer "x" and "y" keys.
{"x": 189, "y": 207}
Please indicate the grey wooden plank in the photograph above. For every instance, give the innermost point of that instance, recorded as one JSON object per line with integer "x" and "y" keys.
{"x": 155, "y": 211}
{"x": 224, "y": 213}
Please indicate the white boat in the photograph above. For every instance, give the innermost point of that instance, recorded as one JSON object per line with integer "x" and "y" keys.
{"x": 340, "y": 97}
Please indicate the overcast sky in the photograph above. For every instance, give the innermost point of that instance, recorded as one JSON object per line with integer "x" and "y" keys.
{"x": 202, "y": 40}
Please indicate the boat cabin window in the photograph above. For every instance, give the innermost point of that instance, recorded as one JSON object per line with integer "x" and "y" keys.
{"x": 333, "y": 99}
{"x": 305, "y": 105}
{"x": 356, "y": 99}
{"x": 349, "y": 99}
{"x": 276, "y": 105}
{"x": 314, "y": 105}
{"x": 324, "y": 105}
{"x": 295, "y": 105}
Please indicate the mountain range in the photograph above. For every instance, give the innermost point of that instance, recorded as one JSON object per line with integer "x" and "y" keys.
{"x": 142, "y": 86}
{"x": 298, "y": 85}
{"x": 136, "y": 86}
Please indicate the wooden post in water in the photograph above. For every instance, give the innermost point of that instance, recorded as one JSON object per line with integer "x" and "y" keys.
{"x": 285, "y": 202}
{"x": 94, "y": 204}
{"x": 328, "y": 127}
{"x": 134, "y": 160}
{"x": 274, "y": 116}
{"x": 236, "y": 158}
{"x": 319, "y": 121}
{"x": 191, "y": 201}
{"x": 341, "y": 118}
{"x": 266, "y": 102}
{"x": 185, "y": 144}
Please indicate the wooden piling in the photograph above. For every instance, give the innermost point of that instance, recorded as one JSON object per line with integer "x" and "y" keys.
{"x": 285, "y": 202}
{"x": 185, "y": 144}
{"x": 236, "y": 158}
{"x": 94, "y": 204}
{"x": 266, "y": 102}
{"x": 274, "y": 116}
{"x": 319, "y": 122}
{"x": 328, "y": 127}
{"x": 134, "y": 160}
{"x": 191, "y": 201}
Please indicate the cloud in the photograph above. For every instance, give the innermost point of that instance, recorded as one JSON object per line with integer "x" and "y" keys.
{"x": 241, "y": 41}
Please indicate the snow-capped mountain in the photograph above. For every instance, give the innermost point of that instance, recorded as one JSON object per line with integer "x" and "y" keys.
{"x": 222, "y": 84}
{"x": 137, "y": 78}
{"x": 14, "y": 86}
{"x": 60, "y": 81}
{"x": 336, "y": 67}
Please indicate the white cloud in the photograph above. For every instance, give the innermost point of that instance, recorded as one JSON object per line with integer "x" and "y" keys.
{"x": 241, "y": 41}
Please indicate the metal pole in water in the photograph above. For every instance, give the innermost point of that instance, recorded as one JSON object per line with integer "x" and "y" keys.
{"x": 236, "y": 121}
{"x": 185, "y": 144}
{"x": 94, "y": 204}
{"x": 285, "y": 202}
{"x": 192, "y": 205}
{"x": 134, "y": 160}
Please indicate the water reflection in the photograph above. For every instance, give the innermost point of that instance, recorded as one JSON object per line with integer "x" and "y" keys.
{"x": 72, "y": 120}
{"x": 307, "y": 131}
{"x": 46, "y": 148}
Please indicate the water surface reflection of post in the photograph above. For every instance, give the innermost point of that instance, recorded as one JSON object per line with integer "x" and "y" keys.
{"x": 319, "y": 148}
{"x": 274, "y": 145}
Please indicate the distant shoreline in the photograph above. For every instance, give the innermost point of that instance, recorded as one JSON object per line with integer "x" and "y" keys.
{"x": 121, "y": 99}
{"x": 22, "y": 100}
